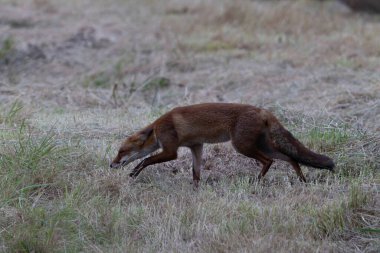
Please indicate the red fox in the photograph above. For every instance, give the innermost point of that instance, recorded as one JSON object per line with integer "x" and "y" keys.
{"x": 254, "y": 132}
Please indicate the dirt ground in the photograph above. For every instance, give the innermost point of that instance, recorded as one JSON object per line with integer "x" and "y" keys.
{"x": 94, "y": 71}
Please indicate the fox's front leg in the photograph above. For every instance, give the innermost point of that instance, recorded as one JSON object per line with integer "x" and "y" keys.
{"x": 196, "y": 151}
{"x": 136, "y": 169}
{"x": 164, "y": 156}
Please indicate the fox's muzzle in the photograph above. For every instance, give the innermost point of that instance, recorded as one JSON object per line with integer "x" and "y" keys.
{"x": 118, "y": 165}
{"x": 115, "y": 165}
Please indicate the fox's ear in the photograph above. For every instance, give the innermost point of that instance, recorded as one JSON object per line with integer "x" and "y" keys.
{"x": 144, "y": 135}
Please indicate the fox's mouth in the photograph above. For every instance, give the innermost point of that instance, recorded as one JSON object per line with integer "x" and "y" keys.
{"x": 118, "y": 165}
{"x": 126, "y": 160}
{"x": 115, "y": 165}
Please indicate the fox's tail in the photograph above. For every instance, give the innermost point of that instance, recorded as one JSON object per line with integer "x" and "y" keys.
{"x": 287, "y": 144}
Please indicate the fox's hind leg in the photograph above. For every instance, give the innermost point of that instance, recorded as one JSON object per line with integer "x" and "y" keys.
{"x": 263, "y": 159}
{"x": 253, "y": 143}
{"x": 253, "y": 152}
{"x": 298, "y": 170}
{"x": 264, "y": 170}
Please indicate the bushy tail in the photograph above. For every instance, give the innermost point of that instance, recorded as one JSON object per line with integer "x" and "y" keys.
{"x": 287, "y": 144}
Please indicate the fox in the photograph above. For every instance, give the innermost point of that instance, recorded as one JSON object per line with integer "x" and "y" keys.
{"x": 253, "y": 132}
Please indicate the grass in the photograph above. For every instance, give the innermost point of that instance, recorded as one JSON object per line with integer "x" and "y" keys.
{"x": 47, "y": 208}
{"x": 55, "y": 199}
{"x": 6, "y": 47}
{"x": 157, "y": 83}
{"x": 11, "y": 116}
{"x": 274, "y": 30}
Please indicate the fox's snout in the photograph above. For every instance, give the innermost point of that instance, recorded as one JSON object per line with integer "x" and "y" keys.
{"x": 115, "y": 165}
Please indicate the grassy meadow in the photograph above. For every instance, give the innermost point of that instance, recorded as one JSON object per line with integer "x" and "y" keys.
{"x": 76, "y": 77}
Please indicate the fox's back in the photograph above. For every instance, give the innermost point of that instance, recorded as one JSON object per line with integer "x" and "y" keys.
{"x": 205, "y": 123}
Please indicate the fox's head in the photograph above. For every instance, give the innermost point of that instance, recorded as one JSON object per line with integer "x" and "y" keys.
{"x": 134, "y": 147}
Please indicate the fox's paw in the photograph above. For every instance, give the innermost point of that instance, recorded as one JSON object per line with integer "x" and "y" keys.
{"x": 133, "y": 174}
{"x": 136, "y": 171}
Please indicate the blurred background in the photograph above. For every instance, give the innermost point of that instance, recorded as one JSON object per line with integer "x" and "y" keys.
{"x": 315, "y": 56}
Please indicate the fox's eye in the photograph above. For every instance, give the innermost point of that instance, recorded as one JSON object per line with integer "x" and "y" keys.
{"x": 137, "y": 142}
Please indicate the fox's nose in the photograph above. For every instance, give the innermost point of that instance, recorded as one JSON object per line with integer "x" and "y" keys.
{"x": 115, "y": 165}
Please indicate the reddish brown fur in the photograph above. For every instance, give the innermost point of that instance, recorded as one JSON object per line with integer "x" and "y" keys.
{"x": 254, "y": 132}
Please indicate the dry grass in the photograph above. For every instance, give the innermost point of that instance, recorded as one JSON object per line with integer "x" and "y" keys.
{"x": 281, "y": 30}
{"x": 57, "y": 193}
{"x": 72, "y": 87}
